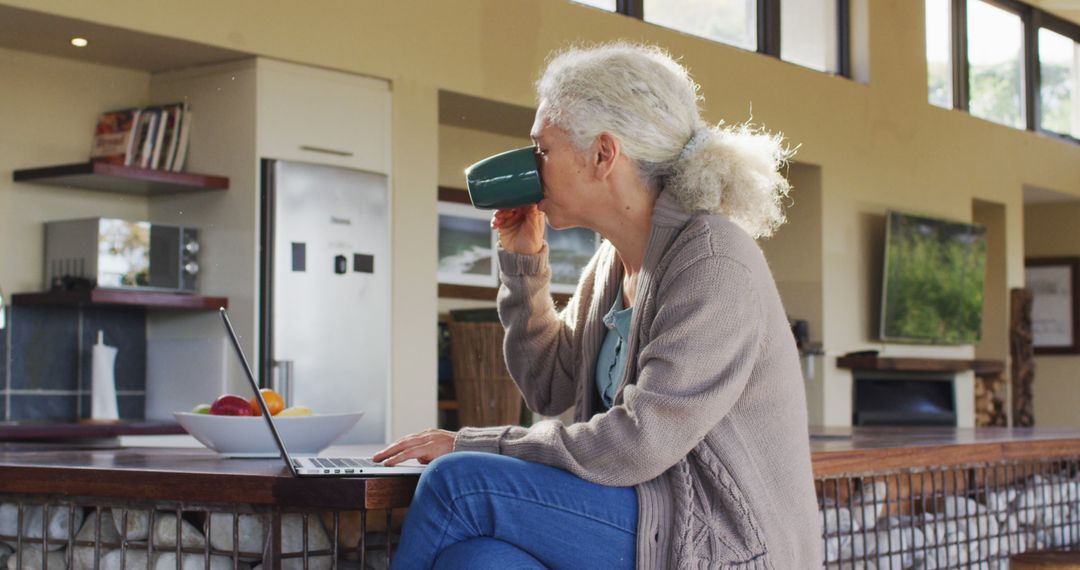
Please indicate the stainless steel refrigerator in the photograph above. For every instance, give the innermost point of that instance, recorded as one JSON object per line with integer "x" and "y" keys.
{"x": 325, "y": 302}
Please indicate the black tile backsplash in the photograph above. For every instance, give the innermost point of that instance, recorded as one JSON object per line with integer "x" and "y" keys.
{"x": 43, "y": 407}
{"x": 44, "y": 348}
{"x": 50, "y": 373}
{"x": 119, "y": 326}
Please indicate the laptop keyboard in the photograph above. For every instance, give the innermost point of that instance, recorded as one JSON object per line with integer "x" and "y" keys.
{"x": 340, "y": 463}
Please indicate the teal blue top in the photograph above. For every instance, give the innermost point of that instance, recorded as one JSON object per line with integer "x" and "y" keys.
{"x": 611, "y": 362}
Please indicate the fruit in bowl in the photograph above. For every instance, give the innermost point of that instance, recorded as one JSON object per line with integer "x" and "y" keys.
{"x": 274, "y": 402}
{"x": 230, "y": 405}
{"x": 249, "y": 436}
{"x": 233, "y": 426}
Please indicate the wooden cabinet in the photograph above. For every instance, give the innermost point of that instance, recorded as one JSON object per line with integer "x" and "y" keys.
{"x": 321, "y": 116}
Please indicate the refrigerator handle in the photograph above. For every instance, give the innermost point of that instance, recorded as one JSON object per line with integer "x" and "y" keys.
{"x": 283, "y": 380}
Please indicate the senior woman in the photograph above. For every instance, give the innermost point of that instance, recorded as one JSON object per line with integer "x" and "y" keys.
{"x": 689, "y": 446}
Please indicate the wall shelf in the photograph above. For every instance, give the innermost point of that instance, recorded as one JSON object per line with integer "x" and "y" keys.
{"x": 107, "y": 177}
{"x": 121, "y": 298}
{"x": 879, "y": 363}
{"x": 37, "y": 430}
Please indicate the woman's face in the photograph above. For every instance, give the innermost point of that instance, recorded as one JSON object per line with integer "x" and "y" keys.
{"x": 565, "y": 175}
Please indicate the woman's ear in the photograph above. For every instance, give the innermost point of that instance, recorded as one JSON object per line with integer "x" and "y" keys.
{"x": 607, "y": 151}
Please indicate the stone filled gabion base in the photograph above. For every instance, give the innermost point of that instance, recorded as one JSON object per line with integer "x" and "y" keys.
{"x": 875, "y": 522}
{"x": 83, "y": 537}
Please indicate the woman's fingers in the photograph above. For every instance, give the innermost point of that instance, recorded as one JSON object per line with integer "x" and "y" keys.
{"x": 424, "y": 446}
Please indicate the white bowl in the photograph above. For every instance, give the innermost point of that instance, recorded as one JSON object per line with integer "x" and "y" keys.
{"x": 249, "y": 436}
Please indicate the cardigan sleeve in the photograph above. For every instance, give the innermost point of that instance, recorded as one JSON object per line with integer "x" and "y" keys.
{"x": 704, "y": 341}
{"x": 538, "y": 344}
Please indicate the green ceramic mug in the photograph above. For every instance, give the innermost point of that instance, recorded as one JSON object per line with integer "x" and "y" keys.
{"x": 505, "y": 180}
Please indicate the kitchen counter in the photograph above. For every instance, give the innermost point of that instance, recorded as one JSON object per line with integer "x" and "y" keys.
{"x": 857, "y": 449}
{"x": 902, "y": 470}
{"x": 190, "y": 475}
{"x": 198, "y": 474}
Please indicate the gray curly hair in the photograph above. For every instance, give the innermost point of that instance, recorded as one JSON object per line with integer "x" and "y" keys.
{"x": 646, "y": 100}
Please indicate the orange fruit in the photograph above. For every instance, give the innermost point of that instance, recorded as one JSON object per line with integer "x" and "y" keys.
{"x": 274, "y": 402}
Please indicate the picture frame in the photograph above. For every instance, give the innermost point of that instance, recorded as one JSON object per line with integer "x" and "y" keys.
{"x": 569, "y": 251}
{"x": 467, "y": 246}
{"x": 486, "y": 291}
{"x": 1055, "y": 323}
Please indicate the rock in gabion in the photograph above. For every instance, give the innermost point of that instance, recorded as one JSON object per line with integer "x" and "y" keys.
{"x": 62, "y": 520}
{"x": 252, "y": 532}
{"x": 253, "y": 536}
{"x": 869, "y": 504}
{"x": 83, "y": 556}
{"x": 32, "y": 560}
{"x": 9, "y": 519}
{"x": 5, "y": 552}
{"x": 136, "y": 559}
{"x": 839, "y": 520}
{"x": 138, "y": 526}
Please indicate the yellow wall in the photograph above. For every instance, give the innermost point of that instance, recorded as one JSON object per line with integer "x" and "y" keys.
{"x": 53, "y": 124}
{"x": 1050, "y": 231}
{"x": 878, "y": 145}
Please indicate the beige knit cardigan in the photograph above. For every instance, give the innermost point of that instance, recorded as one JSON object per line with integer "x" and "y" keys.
{"x": 709, "y": 424}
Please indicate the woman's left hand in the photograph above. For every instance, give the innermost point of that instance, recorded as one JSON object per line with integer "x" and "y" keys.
{"x": 425, "y": 447}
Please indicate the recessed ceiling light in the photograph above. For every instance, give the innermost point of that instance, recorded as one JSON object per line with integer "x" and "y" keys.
{"x": 79, "y": 42}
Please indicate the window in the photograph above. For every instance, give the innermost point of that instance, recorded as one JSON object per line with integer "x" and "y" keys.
{"x": 995, "y": 70}
{"x": 808, "y": 34}
{"x": 939, "y": 64}
{"x": 1059, "y": 72}
{"x": 1005, "y": 61}
{"x": 608, "y": 5}
{"x": 729, "y": 21}
{"x": 811, "y": 33}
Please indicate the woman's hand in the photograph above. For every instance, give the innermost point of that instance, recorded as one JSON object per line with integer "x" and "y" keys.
{"x": 521, "y": 230}
{"x": 425, "y": 447}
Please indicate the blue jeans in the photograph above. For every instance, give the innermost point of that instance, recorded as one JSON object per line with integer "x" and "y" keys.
{"x": 481, "y": 510}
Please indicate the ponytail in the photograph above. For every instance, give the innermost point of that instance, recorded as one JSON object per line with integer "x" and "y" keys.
{"x": 733, "y": 170}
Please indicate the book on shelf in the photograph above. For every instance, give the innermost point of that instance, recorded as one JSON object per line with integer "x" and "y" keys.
{"x": 182, "y": 144}
{"x": 172, "y": 129}
{"x": 113, "y": 135}
{"x": 149, "y": 137}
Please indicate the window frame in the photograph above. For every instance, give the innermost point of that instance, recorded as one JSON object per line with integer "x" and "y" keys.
{"x": 1032, "y": 19}
{"x": 768, "y": 30}
{"x": 1068, "y": 29}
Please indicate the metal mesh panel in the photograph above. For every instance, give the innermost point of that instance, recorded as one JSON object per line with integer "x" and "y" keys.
{"x": 968, "y": 516}
{"x": 92, "y": 533}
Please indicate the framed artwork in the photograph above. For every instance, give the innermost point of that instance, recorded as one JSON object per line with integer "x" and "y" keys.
{"x": 1055, "y": 325}
{"x": 466, "y": 246}
{"x": 473, "y": 282}
{"x": 569, "y": 251}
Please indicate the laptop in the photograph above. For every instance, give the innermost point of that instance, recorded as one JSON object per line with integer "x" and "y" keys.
{"x": 310, "y": 465}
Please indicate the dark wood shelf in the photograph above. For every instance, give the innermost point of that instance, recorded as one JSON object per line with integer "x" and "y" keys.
{"x": 981, "y": 367}
{"x": 107, "y": 177}
{"x": 115, "y": 297}
{"x": 29, "y": 430}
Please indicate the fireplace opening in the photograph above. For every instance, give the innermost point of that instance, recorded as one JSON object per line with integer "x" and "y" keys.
{"x": 882, "y": 400}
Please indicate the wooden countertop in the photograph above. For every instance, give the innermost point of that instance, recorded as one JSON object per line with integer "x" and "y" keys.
{"x": 837, "y": 451}
{"x": 200, "y": 475}
{"x": 190, "y": 475}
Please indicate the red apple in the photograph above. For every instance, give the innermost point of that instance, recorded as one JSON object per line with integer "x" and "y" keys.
{"x": 230, "y": 405}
